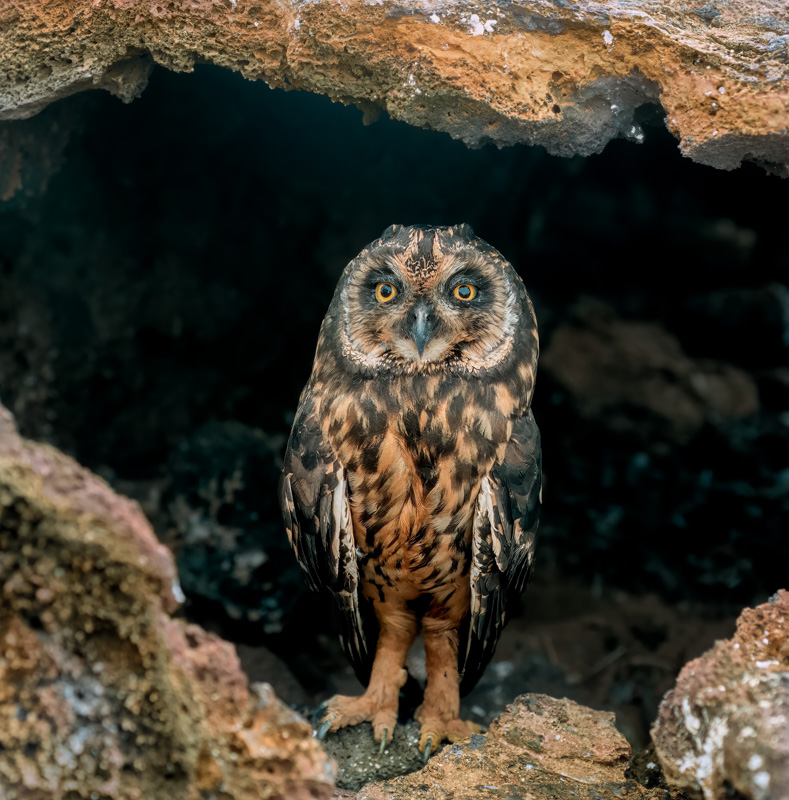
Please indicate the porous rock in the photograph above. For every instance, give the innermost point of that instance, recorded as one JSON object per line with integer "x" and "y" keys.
{"x": 540, "y": 747}
{"x": 723, "y": 730}
{"x": 567, "y": 76}
{"x": 102, "y": 693}
{"x": 358, "y": 756}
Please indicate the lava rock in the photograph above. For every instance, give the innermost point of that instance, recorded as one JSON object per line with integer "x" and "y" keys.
{"x": 540, "y": 747}
{"x": 567, "y": 76}
{"x": 724, "y": 728}
{"x": 101, "y": 692}
{"x": 227, "y": 530}
{"x": 358, "y": 756}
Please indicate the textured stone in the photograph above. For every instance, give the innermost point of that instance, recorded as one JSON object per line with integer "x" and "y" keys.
{"x": 540, "y": 747}
{"x": 358, "y": 756}
{"x": 568, "y": 76}
{"x": 102, "y": 694}
{"x": 724, "y": 729}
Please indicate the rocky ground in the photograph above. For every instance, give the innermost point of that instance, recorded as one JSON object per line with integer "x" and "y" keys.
{"x": 606, "y": 650}
{"x": 105, "y": 694}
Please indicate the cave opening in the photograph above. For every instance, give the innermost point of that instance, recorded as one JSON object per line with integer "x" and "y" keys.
{"x": 161, "y": 302}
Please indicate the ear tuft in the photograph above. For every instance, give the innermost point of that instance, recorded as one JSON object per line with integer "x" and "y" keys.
{"x": 390, "y": 233}
{"x": 463, "y": 230}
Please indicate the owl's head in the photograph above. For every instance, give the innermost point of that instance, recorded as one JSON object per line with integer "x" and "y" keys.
{"x": 426, "y": 299}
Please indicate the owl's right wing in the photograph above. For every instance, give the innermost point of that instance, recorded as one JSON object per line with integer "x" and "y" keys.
{"x": 313, "y": 495}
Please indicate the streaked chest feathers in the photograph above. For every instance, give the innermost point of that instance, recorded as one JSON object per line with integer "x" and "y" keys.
{"x": 415, "y": 452}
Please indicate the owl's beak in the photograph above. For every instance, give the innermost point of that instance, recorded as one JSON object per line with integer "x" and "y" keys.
{"x": 421, "y": 324}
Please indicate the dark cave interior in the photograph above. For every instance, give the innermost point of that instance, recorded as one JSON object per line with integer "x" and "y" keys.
{"x": 160, "y": 306}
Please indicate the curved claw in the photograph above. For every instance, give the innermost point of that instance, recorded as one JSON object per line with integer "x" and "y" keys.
{"x": 320, "y": 714}
{"x": 323, "y": 729}
{"x": 384, "y": 741}
{"x": 427, "y": 750}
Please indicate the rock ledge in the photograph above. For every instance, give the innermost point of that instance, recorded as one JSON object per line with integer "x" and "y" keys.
{"x": 564, "y": 75}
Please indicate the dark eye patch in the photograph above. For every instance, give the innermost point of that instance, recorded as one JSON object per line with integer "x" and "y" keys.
{"x": 371, "y": 279}
{"x": 470, "y": 276}
{"x": 377, "y": 276}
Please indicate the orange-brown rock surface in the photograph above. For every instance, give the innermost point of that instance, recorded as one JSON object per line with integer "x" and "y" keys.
{"x": 566, "y": 75}
{"x": 540, "y": 747}
{"x": 723, "y": 731}
{"x": 102, "y": 693}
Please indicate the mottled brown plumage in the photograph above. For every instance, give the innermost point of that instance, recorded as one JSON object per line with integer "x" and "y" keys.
{"x": 411, "y": 482}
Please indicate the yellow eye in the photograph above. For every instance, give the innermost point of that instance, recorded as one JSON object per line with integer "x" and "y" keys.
{"x": 465, "y": 291}
{"x": 384, "y": 292}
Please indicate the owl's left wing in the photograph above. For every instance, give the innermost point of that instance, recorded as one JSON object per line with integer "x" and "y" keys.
{"x": 313, "y": 495}
{"x": 505, "y": 526}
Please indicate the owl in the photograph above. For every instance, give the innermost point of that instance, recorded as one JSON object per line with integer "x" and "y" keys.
{"x": 411, "y": 486}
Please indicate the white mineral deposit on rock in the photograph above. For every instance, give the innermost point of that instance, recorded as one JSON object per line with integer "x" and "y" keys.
{"x": 762, "y": 779}
{"x": 477, "y": 28}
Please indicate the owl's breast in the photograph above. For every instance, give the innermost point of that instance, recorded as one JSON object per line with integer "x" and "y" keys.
{"x": 415, "y": 459}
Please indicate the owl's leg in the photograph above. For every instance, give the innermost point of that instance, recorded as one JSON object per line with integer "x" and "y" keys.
{"x": 379, "y": 703}
{"x": 439, "y": 713}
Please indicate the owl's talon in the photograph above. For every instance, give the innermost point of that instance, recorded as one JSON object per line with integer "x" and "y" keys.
{"x": 428, "y": 749}
{"x": 323, "y": 729}
{"x": 384, "y": 741}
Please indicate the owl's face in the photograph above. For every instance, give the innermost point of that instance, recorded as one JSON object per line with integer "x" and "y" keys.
{"x": 421, "y": 300}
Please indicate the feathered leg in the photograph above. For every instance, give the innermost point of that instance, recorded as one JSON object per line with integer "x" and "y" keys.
{"x": 379, "y": 703}
{"x": 439, "y": 713}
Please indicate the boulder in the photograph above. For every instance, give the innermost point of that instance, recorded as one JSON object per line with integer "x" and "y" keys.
{"x": 568, "y": 76}
{"x": 102, "y": 693}
{"x": 540, "y": 747}
{"x": 723, "y": 730}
